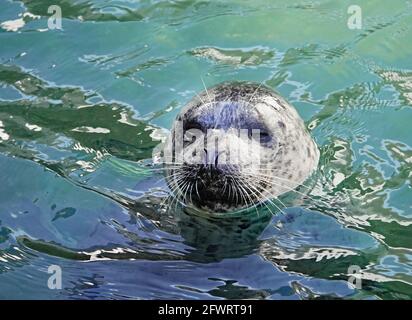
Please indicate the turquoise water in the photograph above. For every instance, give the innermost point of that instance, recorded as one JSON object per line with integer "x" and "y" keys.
{"x": 79, "y": 108}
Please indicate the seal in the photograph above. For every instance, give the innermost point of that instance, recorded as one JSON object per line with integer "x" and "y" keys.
{"x": 237, "y": 145}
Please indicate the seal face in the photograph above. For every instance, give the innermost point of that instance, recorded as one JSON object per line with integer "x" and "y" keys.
{"x": 236, "y": 145}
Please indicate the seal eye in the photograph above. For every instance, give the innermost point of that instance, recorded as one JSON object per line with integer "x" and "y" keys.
{"x": 265, "y": 137}
{"x": 191, "y": 124}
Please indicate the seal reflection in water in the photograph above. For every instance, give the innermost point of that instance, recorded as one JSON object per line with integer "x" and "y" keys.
{"x": 237, "y": 145}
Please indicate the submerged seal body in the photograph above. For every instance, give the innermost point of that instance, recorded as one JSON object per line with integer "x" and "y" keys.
{"x": 236, "y": 145}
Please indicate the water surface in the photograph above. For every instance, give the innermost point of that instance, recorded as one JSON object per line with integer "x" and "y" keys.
{"x": 82, "y": 108}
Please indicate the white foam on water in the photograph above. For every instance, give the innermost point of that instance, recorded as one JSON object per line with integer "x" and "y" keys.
{"x": 33, "y": 127}
{"x": 91, "y": 130}
{"x": 3, "y": 135}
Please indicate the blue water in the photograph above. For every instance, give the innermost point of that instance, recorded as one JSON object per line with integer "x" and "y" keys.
{"x": 81, "y": 110}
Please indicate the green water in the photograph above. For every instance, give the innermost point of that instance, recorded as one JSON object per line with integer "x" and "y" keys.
{"x": 79, "y": 108}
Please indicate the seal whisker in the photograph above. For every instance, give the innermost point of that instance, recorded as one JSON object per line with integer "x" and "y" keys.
{"x": 296, "y": 191}
{"x": 264, "y": 179}
{"x": 253, "y": 94}
{"x": 197, "y": 190}
{"x": 184, "y": 188}
{"x": 207, "y": 92}
{"x": 236, "y": 191}
{"x": 185, "y": 192}
{"x": 270, "y": 201}
{"x": 242, "y": 192}
{"x": 173, "y": 175}
{"x": 176, "y": 188}
{"x": 286, "y": 180}
{"x": 171, "y": 195}
{"x": 266, "y": 199}
{"x": 264, "y": 173}
{"x": 191, "y": 192}
{"x": 201, "y": 100}
{"x": 181, "y": 186}
{"x": 295, "y": 182}
{"x": 251, "y": 200}
{"x": 249, "y": 188}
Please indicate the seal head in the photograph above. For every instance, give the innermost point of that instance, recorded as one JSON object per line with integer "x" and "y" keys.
{"x": 236, "y": 145}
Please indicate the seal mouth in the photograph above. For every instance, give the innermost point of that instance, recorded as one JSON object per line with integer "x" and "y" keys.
{"x": 213, "y": 187}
